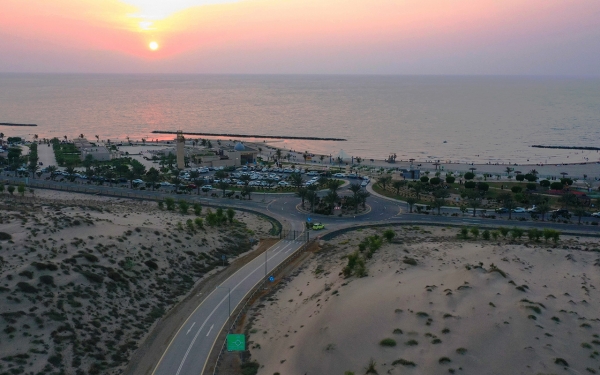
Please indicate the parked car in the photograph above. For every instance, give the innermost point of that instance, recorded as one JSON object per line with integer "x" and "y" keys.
{"x": 283, "y": 183}
{"x": 206, "y": 187}
{"x": 364, "y": 183}
{"x": 519, "y": 210}
{"x": 596, "y": 214}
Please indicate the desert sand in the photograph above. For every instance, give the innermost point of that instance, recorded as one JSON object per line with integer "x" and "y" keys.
{"x": 464, "y": 306}
{"x": 83, "y": 279}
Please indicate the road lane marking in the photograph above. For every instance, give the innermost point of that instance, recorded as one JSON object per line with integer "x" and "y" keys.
{"x": 194, "y": 312}
{"x": 211, "y": 327}
{"x": 219, "y": 304}
{"x": 189, "y": 348}
{"x": 190, "y": 328}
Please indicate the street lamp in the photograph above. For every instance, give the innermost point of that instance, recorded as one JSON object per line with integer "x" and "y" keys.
{"x": 228, "y": 296}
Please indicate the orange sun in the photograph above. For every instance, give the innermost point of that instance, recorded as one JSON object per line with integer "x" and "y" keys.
{"x": 153, "y": 46}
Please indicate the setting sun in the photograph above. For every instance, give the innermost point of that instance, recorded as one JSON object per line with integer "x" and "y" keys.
{"x": 153, "y": 46}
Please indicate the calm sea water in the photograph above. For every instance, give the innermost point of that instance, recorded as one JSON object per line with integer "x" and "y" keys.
{"x": 480, "y": 119}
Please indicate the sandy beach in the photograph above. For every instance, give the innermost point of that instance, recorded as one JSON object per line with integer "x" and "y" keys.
{"x": 85, "y": 278}
{"x": 432, "y": 303}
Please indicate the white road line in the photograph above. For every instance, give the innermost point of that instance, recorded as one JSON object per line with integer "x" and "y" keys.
{"x": 211, "y": 327}
{"x": 189, "y": 348}
{"x": 218, "y": 305}
{"x": 191, "y": 328}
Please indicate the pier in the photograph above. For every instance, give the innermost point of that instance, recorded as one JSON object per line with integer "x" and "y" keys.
{"x": 229, "y": 135}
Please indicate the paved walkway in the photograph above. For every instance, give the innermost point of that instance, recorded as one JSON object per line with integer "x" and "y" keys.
{"x": 46, "y": 155}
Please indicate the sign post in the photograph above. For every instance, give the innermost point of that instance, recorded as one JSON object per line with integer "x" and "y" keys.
{"x": 236, "y": 342}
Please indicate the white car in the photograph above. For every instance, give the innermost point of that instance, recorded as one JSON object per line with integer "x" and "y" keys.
{"x": 165, "y": 183}
{"x": 312, "y": 173}
{"x": 283, "y": 183}
{"x": 364, "y": 183}
{"x": 138, "y": 181}
{"x": 519, "y": 210}
{"x": 207, "y": 187}
{"x": 339, "y": 175}
{"x": 596, "y": 214}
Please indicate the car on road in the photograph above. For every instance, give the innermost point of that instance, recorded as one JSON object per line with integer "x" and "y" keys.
{"x": 165, "y": 183}
{"x": 364, "y": 183}
{"x": 206, "y": 187}
{"x": 532, "y": 210}
{"x": 339, "y": 175}
{"x": 318, "y": 226}
{"x": 596, "y": 214}
{"x": 560, "y": 212}
{"x": 519, "y": 210}
{"x": 138, "y": 181}
{"x": 501, "y": 210}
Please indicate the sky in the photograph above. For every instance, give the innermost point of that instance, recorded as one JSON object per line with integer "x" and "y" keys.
{"x": 407, "y": 37}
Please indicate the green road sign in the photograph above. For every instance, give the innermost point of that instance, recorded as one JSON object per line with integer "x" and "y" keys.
{"x": 236, "y": 343}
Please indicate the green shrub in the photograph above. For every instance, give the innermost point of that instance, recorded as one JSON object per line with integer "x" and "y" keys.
{"x": 444, "y": 360}
{"x": 412, "y": 343}
{"x": 26, "y": 287}
{"x": 486, "y": 235}
{"x": 560, "y": 361}
{"x": 403, "y": 362}
{"x": 5, "y": 236}
{"x": 461, "y": 351}
{"x": 410, "y": 261}
{"x": 387, "y": 342}
{"x": 475, "y": 232}
{"x": 250, "y": 368}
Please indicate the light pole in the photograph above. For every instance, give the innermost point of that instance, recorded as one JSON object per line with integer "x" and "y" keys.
{"x": 228, "y": 296}
{"x": 266, "y": 262}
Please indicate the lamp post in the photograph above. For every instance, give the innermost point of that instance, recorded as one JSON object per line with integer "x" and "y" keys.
{"x": 228, "y": 296}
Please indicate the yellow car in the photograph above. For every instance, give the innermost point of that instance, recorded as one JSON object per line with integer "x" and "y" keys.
{"x": 318, "y": 226}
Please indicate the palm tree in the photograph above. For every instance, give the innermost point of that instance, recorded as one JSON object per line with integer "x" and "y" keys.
{"x": 332, "y": 197}
{"x": 52, "y": 170}
{"x": 568, "y": 199}
{"x": 278, "y": 154}
{"x": 223, "y": 186}
{"x": 334, "y": 185}
{"x": 302, "y": 193}
{"x": 411, "y": 201}
{"x": 543, "y": 208}
{"x": 321, "y": 158}
{"x": 362, "y": 197}
{"x": 109, "y": 175}
{"x": 247, "y": 190}
{"x": 97, "y": 138}
{"x": 81, "y": 136}
{"x": 397, "y": 185}
{"x": 355, "y": 189}
{"x": 296, "y": 180}
{"x": 417, "y": 188}
{"x": 438, "y": 203}
{"x": 384, "y": 180}
{"x": 153, "y": 176}
{"x": 508, "y": 202}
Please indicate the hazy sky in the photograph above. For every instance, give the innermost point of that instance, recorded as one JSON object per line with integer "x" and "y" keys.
{"x": 543, "y": 37}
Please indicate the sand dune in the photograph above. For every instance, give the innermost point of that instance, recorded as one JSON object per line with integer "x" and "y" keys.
{"x": 83, "y": 279}
{"x": 466, "y": 307}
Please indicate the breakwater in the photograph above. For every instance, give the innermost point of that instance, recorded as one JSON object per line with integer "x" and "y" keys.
{"x": 589, "y": 148}
{"x": 11, "y": 124}
{"x": 229, "y": 135}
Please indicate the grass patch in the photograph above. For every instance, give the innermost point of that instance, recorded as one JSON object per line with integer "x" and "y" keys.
{"x": 444, "y": 360}
{"x": 412, "y": 343}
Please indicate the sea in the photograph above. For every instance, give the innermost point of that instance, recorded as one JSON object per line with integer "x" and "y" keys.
{"x": 465, "y": 119}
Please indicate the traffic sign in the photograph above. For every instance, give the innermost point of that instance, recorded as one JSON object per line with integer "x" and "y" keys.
{"x": 271, "y": 278}
{"x": 236, "y": 342}
{"x": 223, "y": 257}
{"x": 309, "y": 219}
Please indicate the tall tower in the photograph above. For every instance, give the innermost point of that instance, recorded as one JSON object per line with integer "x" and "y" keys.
{"x": 180, "y": 150}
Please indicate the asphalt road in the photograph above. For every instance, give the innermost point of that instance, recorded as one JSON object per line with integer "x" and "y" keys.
{"x": 191, "y": 346}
